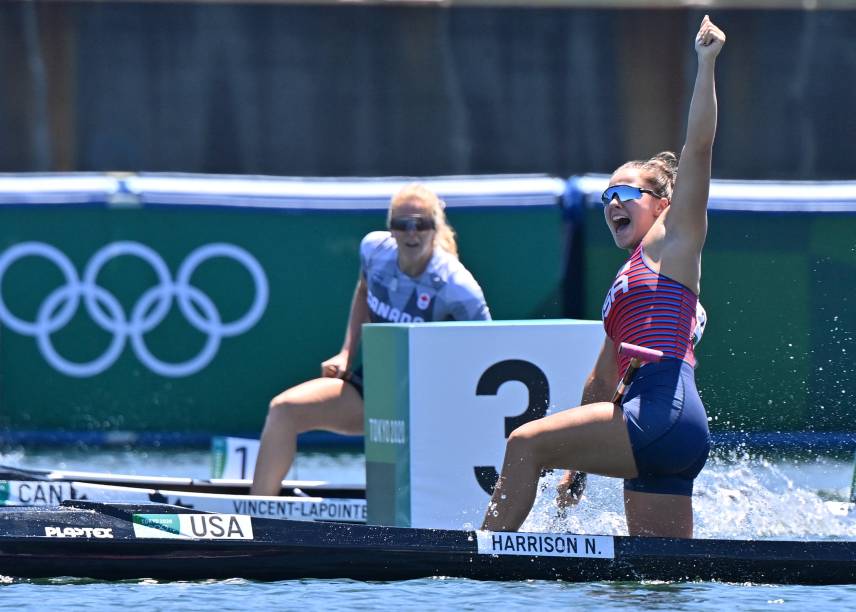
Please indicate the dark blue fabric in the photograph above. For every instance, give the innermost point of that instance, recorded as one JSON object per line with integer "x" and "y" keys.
{"x": 356, "y": 379}
{"x": 668, "y": 429}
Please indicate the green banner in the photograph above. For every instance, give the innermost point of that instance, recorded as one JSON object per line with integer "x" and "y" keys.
{"x": 185, "y": 303}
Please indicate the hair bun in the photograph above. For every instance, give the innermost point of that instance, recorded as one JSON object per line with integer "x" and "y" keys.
{"x": 668, "y": 159}
{"x": 660, "y": 171}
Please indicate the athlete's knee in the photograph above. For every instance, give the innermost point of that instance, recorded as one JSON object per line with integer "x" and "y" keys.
{"x": 276, "y": 406}
{"x": 293, "y": 397}
{"x": 282, "y": 408}
{"x": 524, "y": 441}
{"x": 534, "y": 444}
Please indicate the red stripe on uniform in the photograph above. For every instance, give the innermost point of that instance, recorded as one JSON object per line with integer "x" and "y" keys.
{"x": 651, "y": 310}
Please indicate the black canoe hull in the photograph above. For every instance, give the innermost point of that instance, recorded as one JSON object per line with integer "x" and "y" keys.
{"x": 281, "y": 550}
{"x": 276, "y": 562}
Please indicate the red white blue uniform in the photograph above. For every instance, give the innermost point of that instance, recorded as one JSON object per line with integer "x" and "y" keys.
{"x": 648, "y": 309}
{"x": 666, "y": 420}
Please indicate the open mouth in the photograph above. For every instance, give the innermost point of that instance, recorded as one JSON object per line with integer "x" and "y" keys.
{"x": 620, "y": 222}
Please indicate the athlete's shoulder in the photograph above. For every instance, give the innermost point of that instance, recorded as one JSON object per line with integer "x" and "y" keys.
{"x": 447, "y": 267}
{"x": 376, "y": 240}
{"x": 374, "y": 245}
{"x": 461, "y": 287}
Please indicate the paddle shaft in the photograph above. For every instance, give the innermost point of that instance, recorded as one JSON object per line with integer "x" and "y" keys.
{"x": 629, "y": 373}
{"x": 639, "y": 356}
{"x": 853, "y": 483}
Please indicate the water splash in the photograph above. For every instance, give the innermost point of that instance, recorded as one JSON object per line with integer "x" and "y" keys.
{"x": 739, "y": 497}
{"x": 11, "y": 457}
{"x": 756, "y": 498}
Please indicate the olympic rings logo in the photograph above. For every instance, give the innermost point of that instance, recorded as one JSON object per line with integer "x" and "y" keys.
{"x": 60, "y": 306}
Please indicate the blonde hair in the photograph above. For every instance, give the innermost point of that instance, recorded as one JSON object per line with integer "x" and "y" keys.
{"x": 661, "y": 172}
{"x": 444, "y": 237}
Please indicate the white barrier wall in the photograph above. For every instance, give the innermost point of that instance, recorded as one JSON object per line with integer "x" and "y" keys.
{"x": 441, "y": 398}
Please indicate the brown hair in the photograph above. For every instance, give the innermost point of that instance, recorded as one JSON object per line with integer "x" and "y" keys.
{"x": 660, "y": 171}
{"x": 445, "y": 236}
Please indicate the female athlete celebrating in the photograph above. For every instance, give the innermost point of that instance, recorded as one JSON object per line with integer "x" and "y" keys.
{"x": 657, "y": 438}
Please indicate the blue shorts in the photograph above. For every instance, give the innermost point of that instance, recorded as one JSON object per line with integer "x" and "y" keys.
{"x": 356, "y": 379}
{"x": 668, "y": 428}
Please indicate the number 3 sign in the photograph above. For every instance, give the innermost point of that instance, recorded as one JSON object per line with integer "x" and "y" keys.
{"x": 441, "y": 399}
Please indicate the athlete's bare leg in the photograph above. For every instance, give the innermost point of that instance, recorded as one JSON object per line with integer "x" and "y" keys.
{"x": 591, "y": 438}
{"x": 652, "y": 514}
{"x": 321, "y": 403}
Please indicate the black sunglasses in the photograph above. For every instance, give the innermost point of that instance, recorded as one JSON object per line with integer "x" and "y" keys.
{"x": 411, "y": 223}
{"x": 624, "y": 193}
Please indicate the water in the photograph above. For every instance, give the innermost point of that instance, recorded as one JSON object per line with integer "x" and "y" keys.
{"x": 432, "y": 594}
{"x": 738, "y": 496}
{"x": 339, "y": 467}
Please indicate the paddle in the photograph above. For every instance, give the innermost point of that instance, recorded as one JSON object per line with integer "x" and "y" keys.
{"x": 639, "y": 356}
{"x": 853, "y": 482}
